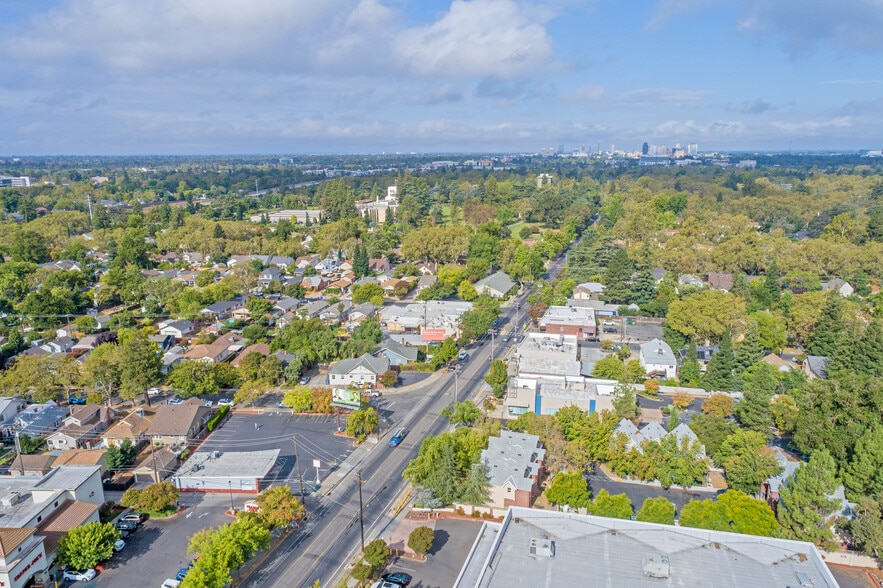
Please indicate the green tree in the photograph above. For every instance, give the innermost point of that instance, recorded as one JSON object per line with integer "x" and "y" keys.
{"x": 120, "y": 456}
{"x": 690, "y": 373}
{"x": 804, "y": 504}
{"x": 475, "y": 488}
{"x": 361, "y": 423}
{"x": 223, "y": 550}
{"x": 617, "y": 278}
{"x": 617, "y": 506}
{"x": 421, "y": 539}
{"x": 755, "y": 410}
{"x": 497, "y": 377}
{"x": 377, "y": 554}
{"x": 863, "y": 475}
{"x": 299, "y": 399}
{"x": 657, "y": 510}
{"x": 706, "y": 315}
{"x": 712, "y": 430}
{"x": 609, "y": 368}
{"x": 747, "y": 460}
{"x": 367, "y": 293}
{"x": 718, "y": 405}
{"x": 158, "y": 497}
{"x": 867, "y": 527}
{"x": 719, "y": 373}
{"x": 625, "y": 402}
{"x": 733, "y": 511}
{"x": 28, "y": 444}
{"x": 829, "y": 335}
{"x": 465, "y": 412}
{"x": 84, "y": 546}
{"x": 772, "y": 282}
{"x": 749, "y": 351}
{"x": 193, "y": 378}
{"x": 142, "y": 368}
{"x": 569, "y": 488}
{"x": 28, "y": 246}
{"x": 279, "y": 507}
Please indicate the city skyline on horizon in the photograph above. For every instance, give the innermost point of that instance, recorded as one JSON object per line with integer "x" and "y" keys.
{"x": 92, "y": 77}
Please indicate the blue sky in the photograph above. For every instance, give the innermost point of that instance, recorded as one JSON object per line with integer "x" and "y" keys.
{"x": 370, "y": 76}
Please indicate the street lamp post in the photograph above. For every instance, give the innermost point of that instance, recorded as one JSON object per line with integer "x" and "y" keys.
{"x": 456, "y": 386}
{"x": 230, "y": 484}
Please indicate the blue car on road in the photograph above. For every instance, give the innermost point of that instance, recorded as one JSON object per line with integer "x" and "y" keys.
{"x": 398, "y": 437}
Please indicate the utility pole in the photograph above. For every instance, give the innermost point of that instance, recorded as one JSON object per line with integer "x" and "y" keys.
{"x": 155, "y": 473}
{"x": 492, "y": 344}
{"x": 89, "y": 202}
{"x": 299, "y": 476}
{"x": 21, "y": 462}
{"x": 361, "y": 513}
{"x": 456, "y": 386}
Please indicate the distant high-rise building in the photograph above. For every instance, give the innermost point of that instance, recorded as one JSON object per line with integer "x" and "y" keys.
{"x": 19, "y": 182}
{"x": 645, "y": 148}
{"x": 693, "y": 149}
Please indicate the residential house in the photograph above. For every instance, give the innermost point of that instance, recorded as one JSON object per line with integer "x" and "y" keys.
{"x": 426, "y": 281}
{"x": 31, "y": 465}
{"x": 87, "y": 343}
{"x": 194, "y": 258}
{"x": 171, "y": 357}
{"x": 815, "y": 366}
{"x": 336, "y": 312}
{"x": 222, "y": 309}
{"x": 546, "y": 394}
{"x": 658, "y": 274}
{"x": 327, "y": 265}
{"x": 839, "y": 286}
{"x": 391, "y": 285}
{"x": 179, "y": 424}
{"x": 9, "y": 408}
{"x": 305, "y": 261}
{"x": 313, "y": 283}
{"x": 514, "y": 465}
{"x": 286, "y": 304}
{"x": 397, "y": 353}
{"x": 496, "y": 285}
{"x": 132, "y": 427}
{"x": 177, "y": 329}
{"x": 379, "y": 264}
{"x": 281, "y": 261}
{"x": 781, "y": 364}
{"x": 657, "y": 359}
{"x": 241, "y": 314}
{"x": 156, "y": 466}
{"x": 82, "y": 428}
{"x": 83, "y": 458}
{"x": 217, "y": 351}
{"x": 314, "y": 309}
{"x": 690, "y": 280}
{"x": 361, "y": 371}
{"x": 286, "y": 357}
{"x": 569, "y": 320}
{"x": 588, "y": 291}
{"x": 58, "y": 345}
{"x": 435, "y": 320}
{"x": 285, "y": 319}
{"x": 703, "y": 354}
{"x": 37, "y": 420}
{"x": 720, "y": 281}
{"x": 261, "y": 348}
{"x": 164, "y": 342}
{"x": 268, "y": 275}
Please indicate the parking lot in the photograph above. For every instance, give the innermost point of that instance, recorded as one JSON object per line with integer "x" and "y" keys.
{"x": 158, "y": 549}
{"x": 277, "y": 429}
{"x": 453, "y": 541}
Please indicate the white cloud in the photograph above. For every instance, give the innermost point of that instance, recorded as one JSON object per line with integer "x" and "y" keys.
{"x": 720, "y": 129}
{"x": 814, "y": 127}
{"x": 499, "y": 38}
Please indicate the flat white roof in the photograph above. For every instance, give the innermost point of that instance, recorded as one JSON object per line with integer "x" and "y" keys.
{"x": 229, "y": 464}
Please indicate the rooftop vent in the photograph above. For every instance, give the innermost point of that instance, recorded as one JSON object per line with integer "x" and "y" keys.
{"x": 656, "y": 565}
{"x": 805, "y": 580}
{"x": 542, "y": 548}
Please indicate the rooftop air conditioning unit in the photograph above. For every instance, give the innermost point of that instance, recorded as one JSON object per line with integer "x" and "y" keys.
{"x": 10, "y": 499}
{"x": 656, "y": 565}
{"x": 542, "y": 547}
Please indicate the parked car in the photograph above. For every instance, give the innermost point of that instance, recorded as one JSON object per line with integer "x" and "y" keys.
{"x": 127, "y": 526}
{"x": 506, "y": 338}
{"x": 119, "y": 545}
{"x": 398, "y": 437}
{"x": 399, "y": 578}
{"x": 611, "y": 330}
{"x": 608, "y": 323}
{"x": 304, "y": 380}
{"x": 171, "y": 583}
{"x": 181, "y": 573}
{"x": 208, "y": 403}
{"x": 385, "y": 584}
{"x": 463, "y": 356}
{"x": 135, "y": 517}
{"x": 375, "y": 393}
{"x": 225, "y": 402}
{"x": 76, "y": 400}
{"x": 154, "y": 391}
{"x": 80, "y": 576}
{"x": 176, "y": 401}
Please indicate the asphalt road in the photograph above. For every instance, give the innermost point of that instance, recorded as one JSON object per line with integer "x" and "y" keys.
{"x": 331, "y": 537}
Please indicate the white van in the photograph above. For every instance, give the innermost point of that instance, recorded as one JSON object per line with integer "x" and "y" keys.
{"x": 170, "y": 583}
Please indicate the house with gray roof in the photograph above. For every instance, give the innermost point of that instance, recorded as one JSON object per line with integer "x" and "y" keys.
{"x": 177, "y": 329}
{"x": 514, "y": 463}
{"x": 361, "y": 371}
{"x": 38, "y": 420}
{"x": 841, "y": 287}
{"x": 496, "y": 285}
{"x": 588, "y": 291}
{"x": 654, "y": 432}
{"x": 657, "y": 359}
{"x": 815, "y": 366}
{"x": 397, "y": 353}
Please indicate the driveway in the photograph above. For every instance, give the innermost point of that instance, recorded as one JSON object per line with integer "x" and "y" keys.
{"x": 158, "y": 549}
{"x": 638, "y": 493}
